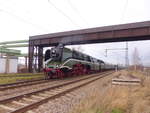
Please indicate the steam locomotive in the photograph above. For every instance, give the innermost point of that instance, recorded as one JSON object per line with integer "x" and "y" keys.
{"x": 62, "y": 62}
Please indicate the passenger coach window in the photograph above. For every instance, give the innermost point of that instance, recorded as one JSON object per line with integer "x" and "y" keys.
{"x": 91, "y": 59}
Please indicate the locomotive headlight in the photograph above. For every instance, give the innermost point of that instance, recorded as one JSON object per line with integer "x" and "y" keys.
{"x": 53, "y": 51}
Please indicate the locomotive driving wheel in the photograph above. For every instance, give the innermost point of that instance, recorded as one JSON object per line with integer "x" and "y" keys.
{"x": 78, "y": 69}
{"x": 59, "y": 73}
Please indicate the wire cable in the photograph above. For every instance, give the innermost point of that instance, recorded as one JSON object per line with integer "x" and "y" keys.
{"x": 124, "y": 10}
{"x": 77, "y": 11}
{"x": 60, "y": 11}
{"x": 23, "y": 20}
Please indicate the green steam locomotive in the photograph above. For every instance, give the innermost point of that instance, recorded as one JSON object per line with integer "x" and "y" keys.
{"x": 61, "y": 62}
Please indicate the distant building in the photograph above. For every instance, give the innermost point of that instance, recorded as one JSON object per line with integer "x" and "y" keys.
{"x": 8, "y": 65}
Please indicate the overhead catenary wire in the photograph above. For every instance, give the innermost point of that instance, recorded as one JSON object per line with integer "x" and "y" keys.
{"x": 124, "y": 10}
{"x": 64, "y": 14}
{"x": 77, "y": 11}
{"x": 121, "y": 19}
{"x": 23, "y": 20}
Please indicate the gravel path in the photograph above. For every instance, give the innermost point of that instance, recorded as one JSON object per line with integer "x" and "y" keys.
{"x": 26, "y": 89}
{"x": 68, "y": 102}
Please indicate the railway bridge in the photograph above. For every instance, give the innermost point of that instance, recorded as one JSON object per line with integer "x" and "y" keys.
{"x": 114, "y": 33}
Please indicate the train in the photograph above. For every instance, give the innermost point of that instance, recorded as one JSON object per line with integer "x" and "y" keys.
{"x": 60, "y": 62}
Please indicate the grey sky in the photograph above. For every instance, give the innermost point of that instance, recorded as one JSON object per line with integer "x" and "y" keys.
{"x": 20, "y": 19}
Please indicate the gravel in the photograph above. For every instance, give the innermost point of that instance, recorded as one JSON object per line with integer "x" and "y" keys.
{"x": 27, "y": 89}
{"x": 66, "y": 103}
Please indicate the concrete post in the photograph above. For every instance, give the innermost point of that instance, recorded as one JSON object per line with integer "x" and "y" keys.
{"x": 7, "y": 64}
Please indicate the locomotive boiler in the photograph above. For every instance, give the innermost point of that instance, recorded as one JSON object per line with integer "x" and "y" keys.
{"x": 61, "y": 62}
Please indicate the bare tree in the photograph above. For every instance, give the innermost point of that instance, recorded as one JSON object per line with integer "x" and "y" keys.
{"x": 136, "y": 59}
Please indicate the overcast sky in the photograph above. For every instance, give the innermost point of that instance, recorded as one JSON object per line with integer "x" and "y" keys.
{"x": 20, "y": 19}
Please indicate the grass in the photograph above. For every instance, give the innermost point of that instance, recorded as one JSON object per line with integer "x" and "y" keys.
{"x": 19, "y": 77}
{"x": 20, "y": 74}
{"x": 116, "y": 110}
{"x": 118, "y": 99}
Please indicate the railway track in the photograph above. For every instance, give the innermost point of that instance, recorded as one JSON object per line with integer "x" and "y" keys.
{"x": 29, "y": 83}
{"x": 22, "y": 84}
{"x": 4, "y": 87}
{"x": 24, "y": 102}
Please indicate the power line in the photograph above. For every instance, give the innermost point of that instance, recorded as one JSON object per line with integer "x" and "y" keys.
{"x": 23, "y": 20}
{"x": 77, "y": 11}
{"x": 124, "y": 10}
{"x": 4, "y": 2}
{"x": 59, "y": 10}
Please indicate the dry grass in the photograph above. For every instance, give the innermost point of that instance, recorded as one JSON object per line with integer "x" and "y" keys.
{"x": 13, "y": 78}
{"x": 118, "y": 99}
{"x": 20, "y": 74}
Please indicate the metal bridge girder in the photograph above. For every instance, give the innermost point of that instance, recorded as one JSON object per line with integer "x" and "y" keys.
{"x": 114, "y": 33}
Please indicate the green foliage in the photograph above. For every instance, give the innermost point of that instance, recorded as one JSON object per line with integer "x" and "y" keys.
{"x": 116, "y": 110}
